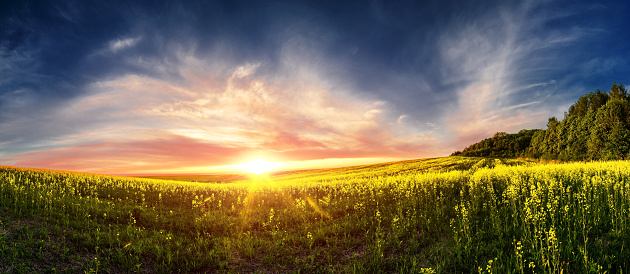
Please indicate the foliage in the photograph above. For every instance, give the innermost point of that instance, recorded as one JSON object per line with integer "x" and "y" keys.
{"x": 441, "y": 215}
{"x": 501, "y": 145}
{"x": 596, "y": 127}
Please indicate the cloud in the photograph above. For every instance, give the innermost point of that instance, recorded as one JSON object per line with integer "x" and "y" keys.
{"x": 489, "y": 61}
{"x": 295, "y": 81}
{"x": 121, "y": 157}
{"x": 68, "y": 11}
{"x": 400, "y": 118}
{"x": 213, "y": 115}
{"x": 123, "y": 43}
{"x": 17, "y": 65}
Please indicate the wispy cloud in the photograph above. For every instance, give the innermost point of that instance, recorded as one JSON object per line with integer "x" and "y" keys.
{"x": 489, "y": 60}
{"x": 123, "y": 43}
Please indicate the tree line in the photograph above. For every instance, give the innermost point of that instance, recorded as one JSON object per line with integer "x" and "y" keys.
{"x": 596, "y": 127}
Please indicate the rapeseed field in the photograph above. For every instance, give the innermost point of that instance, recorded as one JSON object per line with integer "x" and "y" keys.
{"x": 440, "y": 215}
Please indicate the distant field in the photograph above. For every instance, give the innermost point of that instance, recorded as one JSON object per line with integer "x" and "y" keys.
{"x": 390, "y": 168}
{"x": 440, "y": 215}
{"x": 221, "y": 178}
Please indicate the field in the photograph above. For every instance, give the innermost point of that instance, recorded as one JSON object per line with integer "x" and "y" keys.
{"x": 441, "y": 215}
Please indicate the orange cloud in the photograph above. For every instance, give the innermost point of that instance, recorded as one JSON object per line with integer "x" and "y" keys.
{"x": 129, "y": 156}
{"x": 212, "y": 117}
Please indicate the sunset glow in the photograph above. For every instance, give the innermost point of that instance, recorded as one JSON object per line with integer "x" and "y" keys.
{"x": 259, "y": 166}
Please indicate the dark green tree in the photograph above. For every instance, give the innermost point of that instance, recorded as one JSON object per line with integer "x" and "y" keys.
{"x": 611, "y": 133}
{"x": 618, "y": 91}
{"x": 589, "y": 102}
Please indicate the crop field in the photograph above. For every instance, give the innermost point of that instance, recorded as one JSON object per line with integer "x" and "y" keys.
{"x": 440, "y": 215}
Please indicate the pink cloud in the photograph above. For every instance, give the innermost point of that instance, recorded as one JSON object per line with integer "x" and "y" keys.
{"x": 137, "y": 124}
{"x": 129, "y": 156}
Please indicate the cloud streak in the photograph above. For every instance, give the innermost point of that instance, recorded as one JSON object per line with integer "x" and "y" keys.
{"x": 488, "y": 60}
{"x": 120, "y": 44}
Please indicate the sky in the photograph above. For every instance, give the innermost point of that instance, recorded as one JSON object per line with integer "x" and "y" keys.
{"x": 155, "y": 87}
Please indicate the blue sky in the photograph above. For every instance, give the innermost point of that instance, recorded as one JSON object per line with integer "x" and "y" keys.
{"x": 188, "y": 86}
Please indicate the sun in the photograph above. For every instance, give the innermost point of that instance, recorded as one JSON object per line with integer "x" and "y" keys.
{"x": 258, "y": 166}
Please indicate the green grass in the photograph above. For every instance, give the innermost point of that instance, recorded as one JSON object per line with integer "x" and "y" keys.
{"x": 439, "y": 215}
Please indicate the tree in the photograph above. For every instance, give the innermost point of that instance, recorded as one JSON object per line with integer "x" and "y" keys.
{"x": 589, "y": 102}
{"x": 618, "y": 92}
{"x": 611, "y": 132}
{"x": 550, "y": 147}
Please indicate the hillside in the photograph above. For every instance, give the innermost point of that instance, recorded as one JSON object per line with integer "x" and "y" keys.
{"x": 596, "y": 127}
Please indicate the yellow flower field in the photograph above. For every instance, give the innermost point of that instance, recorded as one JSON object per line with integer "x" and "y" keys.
{"x": 440, "y": 215}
